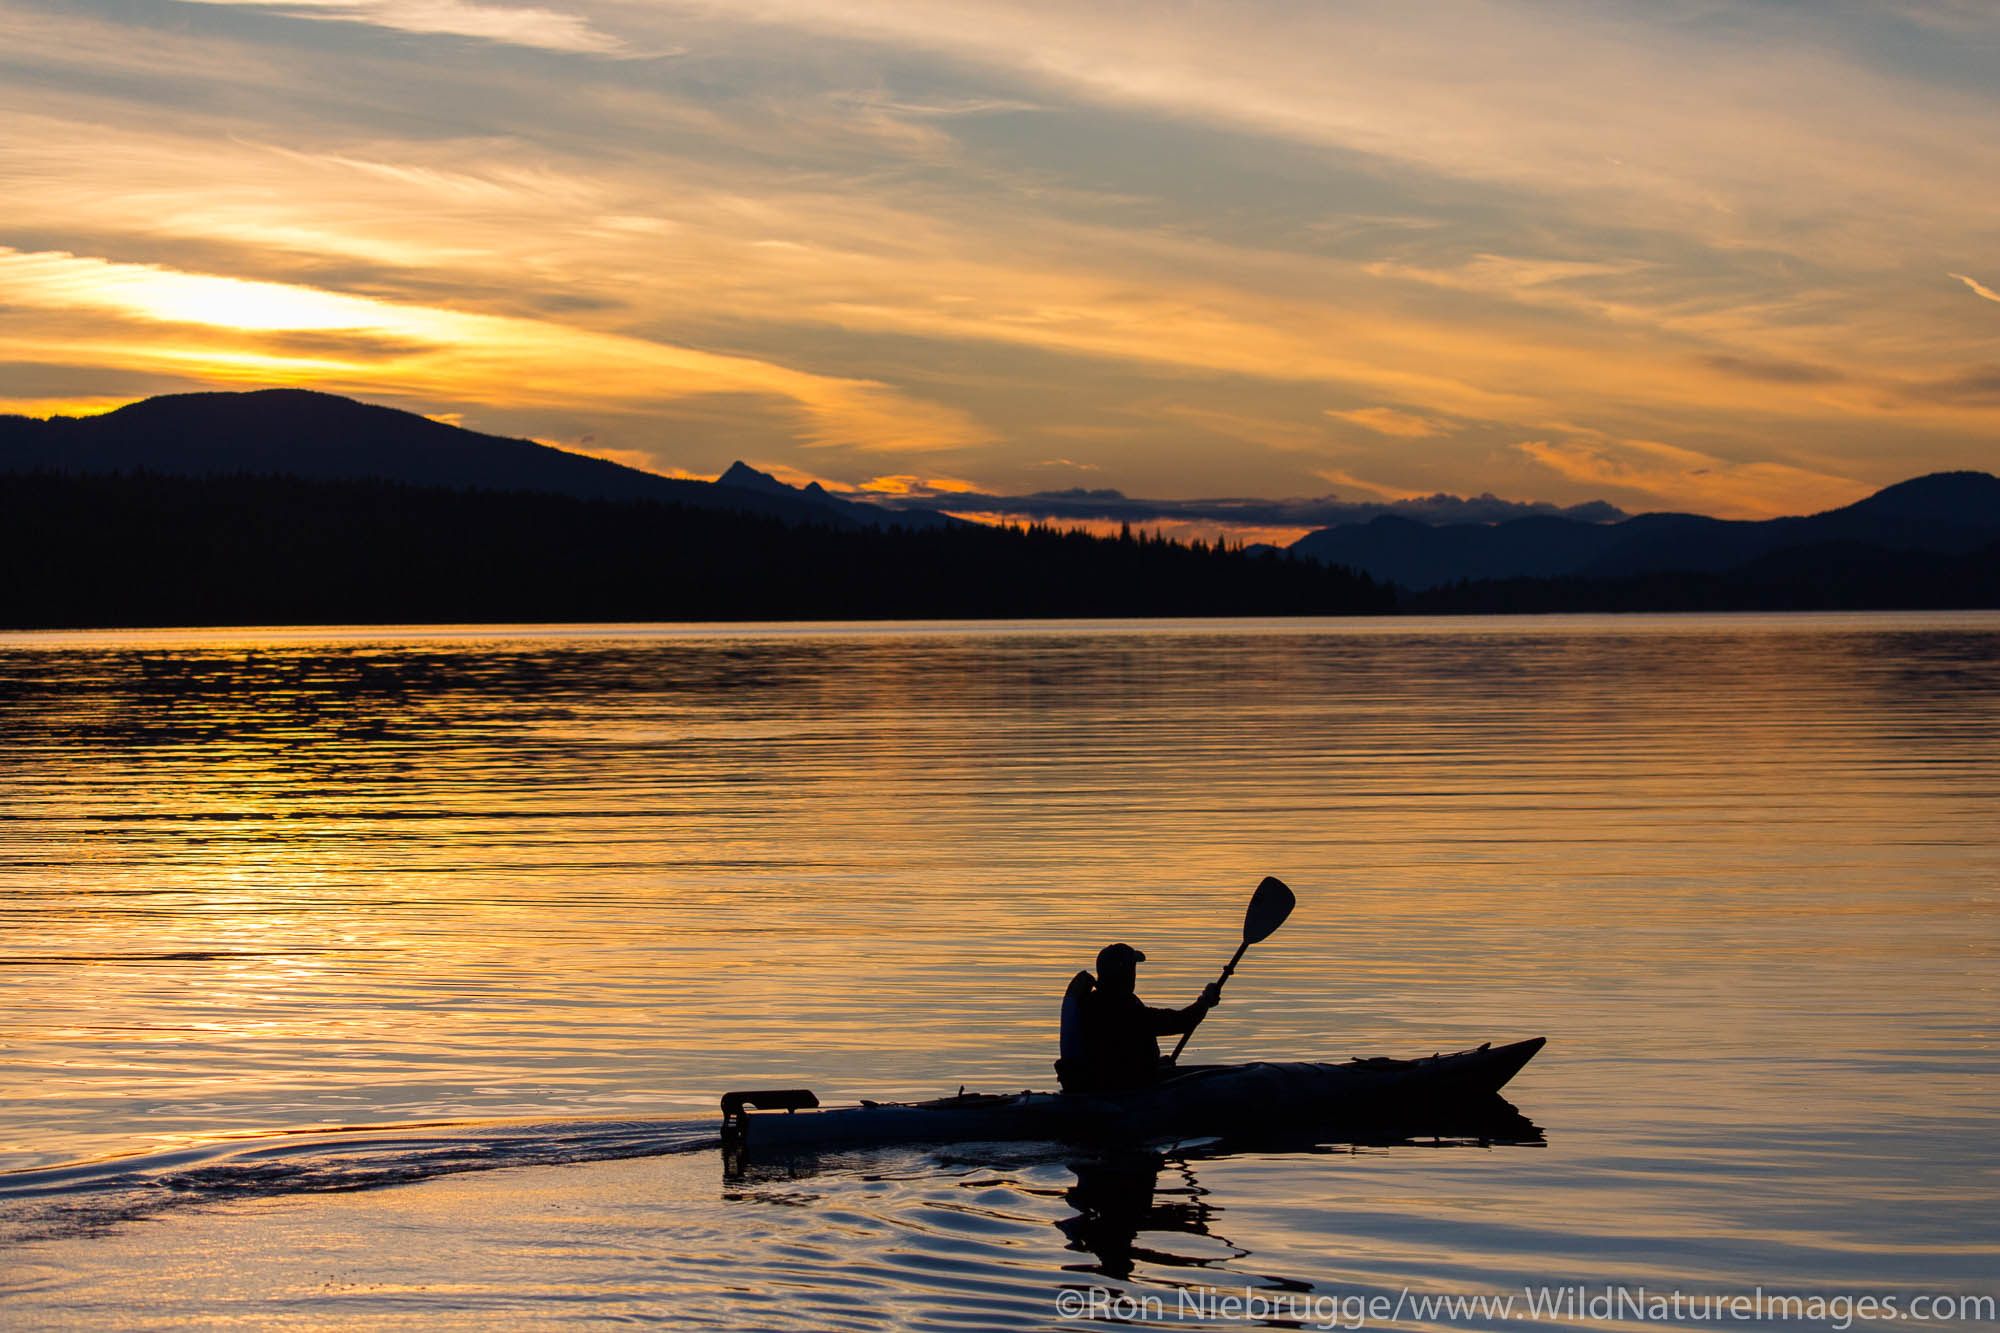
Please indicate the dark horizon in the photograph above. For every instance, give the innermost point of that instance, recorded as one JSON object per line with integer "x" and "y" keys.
{"x": 104, "y": 550}
{"x": 286, "y": 506}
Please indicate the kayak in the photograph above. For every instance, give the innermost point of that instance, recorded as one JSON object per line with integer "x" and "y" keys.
{"x": 1261, "y": 1099}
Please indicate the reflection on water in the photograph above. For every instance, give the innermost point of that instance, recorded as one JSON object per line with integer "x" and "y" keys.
{"x": 1742, "y": 871}
{"x": 1129, "y": 1209}
{"x": 1120, "y": 1197}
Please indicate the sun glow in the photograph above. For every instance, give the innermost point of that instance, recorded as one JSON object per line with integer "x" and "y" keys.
{"x": 237, "y": 303}
{"x": 63, "y": 407}
{"x": 228, "y": 329}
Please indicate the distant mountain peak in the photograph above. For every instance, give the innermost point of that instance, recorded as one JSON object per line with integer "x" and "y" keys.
{"x": 1945, "y": 513}
{"x": 323, "y": 436}
{"x": 745, "y": 477}
{"x": 1940, "y": 497}
{"x": 220, "y": 404}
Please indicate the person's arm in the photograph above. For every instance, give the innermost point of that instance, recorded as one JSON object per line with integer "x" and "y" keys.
{"x": 1167, "y": 1022}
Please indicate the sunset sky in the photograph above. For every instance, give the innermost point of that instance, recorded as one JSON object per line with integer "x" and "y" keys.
{"x": 1734, "y": 256}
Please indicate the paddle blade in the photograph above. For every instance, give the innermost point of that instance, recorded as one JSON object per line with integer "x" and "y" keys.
{"x": 1269, "y": 907}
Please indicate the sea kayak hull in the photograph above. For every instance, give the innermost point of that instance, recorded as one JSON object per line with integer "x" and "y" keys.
{"x": 1265, "y": 1098}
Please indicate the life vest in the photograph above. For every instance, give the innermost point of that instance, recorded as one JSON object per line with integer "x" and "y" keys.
{"x": 1070, "y": 1047}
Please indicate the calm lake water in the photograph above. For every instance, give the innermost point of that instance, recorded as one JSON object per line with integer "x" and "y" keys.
{"x": 493, "y": 916}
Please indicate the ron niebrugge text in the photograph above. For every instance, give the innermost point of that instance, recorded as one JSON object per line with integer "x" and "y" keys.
{"x": 1550, "y": 1304}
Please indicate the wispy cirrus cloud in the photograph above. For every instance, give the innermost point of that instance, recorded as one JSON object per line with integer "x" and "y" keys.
{"x": 1772, "y": 371}
{"x": 1627, "y": 111}
{"x": 1975, "y": 385}
{"x": 1187, "y": 250}
{"x": 546, "y": 29}
{"x": 1389, "y": 421}
{"x": 1979, "y": 288}
{"x": 1678, "y": 476}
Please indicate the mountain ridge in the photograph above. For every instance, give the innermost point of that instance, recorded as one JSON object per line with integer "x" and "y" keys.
{"x": 319, "y": 436}
{"x": 326, "y": 437}
{"x": 744, "y": 477}
{"x": 1945, "y": 513}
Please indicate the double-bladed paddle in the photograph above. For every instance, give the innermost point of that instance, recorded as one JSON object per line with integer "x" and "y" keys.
{"x": 1269, "y": 907}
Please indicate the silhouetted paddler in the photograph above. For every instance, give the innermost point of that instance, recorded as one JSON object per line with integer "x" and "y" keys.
{"x": 1109, "y": 1038}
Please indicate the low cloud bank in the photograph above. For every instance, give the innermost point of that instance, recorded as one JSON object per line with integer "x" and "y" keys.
{"x": 1321, "y": 512}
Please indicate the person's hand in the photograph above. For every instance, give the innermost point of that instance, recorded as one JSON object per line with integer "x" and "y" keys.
{"x": 1211, "y": 995}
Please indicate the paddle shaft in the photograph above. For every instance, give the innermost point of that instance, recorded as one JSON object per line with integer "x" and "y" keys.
{"x": 1220, "y": 982}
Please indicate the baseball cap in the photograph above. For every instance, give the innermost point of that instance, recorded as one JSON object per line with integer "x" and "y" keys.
{"x": 1113, "y": 954}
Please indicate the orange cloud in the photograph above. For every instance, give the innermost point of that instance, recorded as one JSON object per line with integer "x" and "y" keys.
{"x": 1688, "y": 479}
{"x": 465, "y": 218}
{"x": 1979, "y": 287}
{"x": 911, "y": 484}
{"x": 233, "y": 330}
{"x": 1742, "y": 279}
{"x": 1388, "y": 421}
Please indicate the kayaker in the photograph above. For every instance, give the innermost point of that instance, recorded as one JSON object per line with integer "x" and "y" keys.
{"x": 1110, "y": 1035}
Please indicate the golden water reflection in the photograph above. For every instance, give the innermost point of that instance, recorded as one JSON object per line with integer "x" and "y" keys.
{"x": 269, "y": 879}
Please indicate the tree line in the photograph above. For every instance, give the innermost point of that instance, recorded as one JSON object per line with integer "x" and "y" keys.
{"x": 137, "y": 549}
